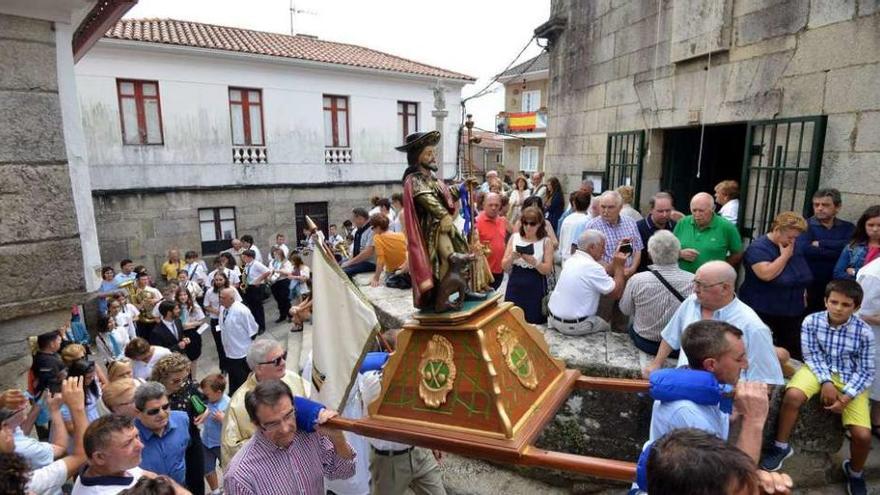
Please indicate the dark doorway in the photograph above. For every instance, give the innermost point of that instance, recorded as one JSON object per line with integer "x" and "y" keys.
{"x": 723, "y": 147}
{"x": 317, "y": 211}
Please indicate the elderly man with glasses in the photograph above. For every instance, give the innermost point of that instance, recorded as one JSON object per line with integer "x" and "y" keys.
{"x": 268, "y": 361}
{"x": 280, "y": 458}
{"x": 714, "y": 299}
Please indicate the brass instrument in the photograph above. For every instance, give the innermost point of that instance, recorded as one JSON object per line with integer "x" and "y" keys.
{"x": 129, "y": 287}
{"x": 343, "y": 248}
{"x": 144, "y": 301}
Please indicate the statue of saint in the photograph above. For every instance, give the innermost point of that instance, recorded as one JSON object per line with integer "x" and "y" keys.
{"x": 439, "y": 97}
{"x": 433, "y": 242}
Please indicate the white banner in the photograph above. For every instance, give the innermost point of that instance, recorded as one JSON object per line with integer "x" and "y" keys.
{"x": 344, "y": 325}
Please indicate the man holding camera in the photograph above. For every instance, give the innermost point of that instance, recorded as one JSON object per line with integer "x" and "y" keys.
{"x": 582, "y": 282}
{"x": 621, "y": 235}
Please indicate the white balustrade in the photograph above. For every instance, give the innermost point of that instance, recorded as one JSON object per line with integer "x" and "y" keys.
{"x": 337, "y": 155}
{"x": 249, "y": 154}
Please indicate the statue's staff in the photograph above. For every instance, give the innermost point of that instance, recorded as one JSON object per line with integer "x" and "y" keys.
{"x": 480, "y": 275}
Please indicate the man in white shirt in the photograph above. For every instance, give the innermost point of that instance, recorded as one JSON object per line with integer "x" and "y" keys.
{"x": 573, "y": 226}
{"x": 714, "y": 299}
{"x": 254, "y": 276}
{"x": 235, "y": 251}
{"x": 247, "y": 242}
{"x": 281, "y": 243}
{"x": 196, "y": 270}
{"x": 398, "y": 467}
{"x": 581, "y": 283}
{"x": 237, "y": 330}
{"x": 113, "y": 448}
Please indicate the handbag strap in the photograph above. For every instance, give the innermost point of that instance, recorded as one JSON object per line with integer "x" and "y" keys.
{"x": 667, "y": 285}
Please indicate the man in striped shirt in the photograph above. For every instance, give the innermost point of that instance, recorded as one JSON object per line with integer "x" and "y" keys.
{"x": 281, "y": 460}
{"x": 839, "y": 356}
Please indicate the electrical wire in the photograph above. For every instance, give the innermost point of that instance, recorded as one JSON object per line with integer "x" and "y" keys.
{"x": 495, "y": 79}
{"x": 703, "y": 115}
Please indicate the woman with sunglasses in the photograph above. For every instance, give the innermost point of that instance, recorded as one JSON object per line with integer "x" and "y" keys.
{"x": 528, "y": 259}
{"x": 92, "y": 390}
{"x": 174, "y": 372}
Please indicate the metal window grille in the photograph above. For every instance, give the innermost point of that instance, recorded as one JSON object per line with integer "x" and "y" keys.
{"x": 782, "y": 158}
{"x": 623, "y": 161}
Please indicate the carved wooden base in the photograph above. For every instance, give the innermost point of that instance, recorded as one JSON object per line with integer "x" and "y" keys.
{"x": 481, "y": 382}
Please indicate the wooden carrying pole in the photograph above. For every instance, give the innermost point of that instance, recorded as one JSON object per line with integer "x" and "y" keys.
{"x": 530, "y": 455}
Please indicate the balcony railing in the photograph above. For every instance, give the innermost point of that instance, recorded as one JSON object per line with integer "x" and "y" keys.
{"x": 249, "y": 154}
{"x": 523, "y": 122}
{"x": 337, "y": 155}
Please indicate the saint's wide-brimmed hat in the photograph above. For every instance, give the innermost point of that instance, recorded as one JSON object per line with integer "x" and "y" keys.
{"x": 419, "y": 140}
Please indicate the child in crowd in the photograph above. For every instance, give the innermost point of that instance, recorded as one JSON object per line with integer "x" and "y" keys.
{"x": 213, "y": 387}
{"x": 838, "y": 352}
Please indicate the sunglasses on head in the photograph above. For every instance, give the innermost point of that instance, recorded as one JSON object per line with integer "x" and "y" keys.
{"x": 155, "y": 411}
{"x": 277, "y": 361}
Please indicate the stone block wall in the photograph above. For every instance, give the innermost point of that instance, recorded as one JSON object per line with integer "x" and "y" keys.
{"x": 632, "y": 64}
{"x": 38, "y": 227}
{"x": 143, "y": 226}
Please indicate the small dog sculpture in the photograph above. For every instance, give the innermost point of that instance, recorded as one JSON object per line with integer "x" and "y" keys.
{"x": 453, "y": 282}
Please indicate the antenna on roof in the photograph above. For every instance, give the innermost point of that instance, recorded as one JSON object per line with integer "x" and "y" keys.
{"x": 293, "y": 12}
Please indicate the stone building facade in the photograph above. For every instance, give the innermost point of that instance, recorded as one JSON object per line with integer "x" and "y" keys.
{"x": 48, "y": 241}
{"x": 680, "y": 94}
{"x": 242, "y": 132}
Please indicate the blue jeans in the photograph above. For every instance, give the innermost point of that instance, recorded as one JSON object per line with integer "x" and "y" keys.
{"x": 362, "y": 267}
{"x": 647, "y": 346}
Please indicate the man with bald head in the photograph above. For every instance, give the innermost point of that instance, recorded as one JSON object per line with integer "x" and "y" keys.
{"x": 706, "y": 236}
{"x": 492, "y": 228}
{"x": 237, "y": 328}
{"x": 714, "y": 299}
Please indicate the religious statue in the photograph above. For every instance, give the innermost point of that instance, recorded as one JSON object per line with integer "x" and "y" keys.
{"x": 439, "y": 97}
{"x": 434, "y": 246}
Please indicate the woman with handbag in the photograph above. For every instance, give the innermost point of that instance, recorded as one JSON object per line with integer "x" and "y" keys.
{"x": 528, "y": 259}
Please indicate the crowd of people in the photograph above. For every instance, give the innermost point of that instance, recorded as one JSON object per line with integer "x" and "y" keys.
{"x": 122, "y": 412}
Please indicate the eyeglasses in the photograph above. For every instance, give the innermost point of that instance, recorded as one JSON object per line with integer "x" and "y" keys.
{"x": 155, "y": 411}
{"x": 274, "y": 425}
{"x": 531, "y": 224}
{"x": 277, "y": 361}
{"x": 702, "y": 285}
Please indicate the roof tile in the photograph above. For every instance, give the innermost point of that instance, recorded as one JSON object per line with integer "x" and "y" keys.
{"x": 198, "y": 35}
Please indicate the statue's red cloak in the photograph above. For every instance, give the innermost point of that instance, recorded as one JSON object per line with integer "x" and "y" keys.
{"x": 421, "y": 269}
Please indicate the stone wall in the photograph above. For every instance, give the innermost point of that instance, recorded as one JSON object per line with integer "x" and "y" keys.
{"x": 38, "y": 228}
{"x": 628, "y": 65}
{"x": 615, "y": 425}
{"x": 143, "y": 226}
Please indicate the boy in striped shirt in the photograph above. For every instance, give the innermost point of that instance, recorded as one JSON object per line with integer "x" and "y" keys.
{"x": 838, "y": 352}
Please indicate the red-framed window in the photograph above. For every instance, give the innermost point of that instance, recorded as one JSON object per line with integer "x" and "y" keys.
{"x": 246, "y": 112}
{"x": 336, "y": 121}
{"x": 140, "y": 112}
{"x": 408, "y": 117}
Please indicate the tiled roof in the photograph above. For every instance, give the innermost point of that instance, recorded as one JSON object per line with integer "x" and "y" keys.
{"x": 541, "y": 62}
{"x": 195, "y": 34}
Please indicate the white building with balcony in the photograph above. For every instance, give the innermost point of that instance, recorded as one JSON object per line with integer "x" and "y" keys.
{"x": 523, "y": 122}
{"x": 198, "y": 133}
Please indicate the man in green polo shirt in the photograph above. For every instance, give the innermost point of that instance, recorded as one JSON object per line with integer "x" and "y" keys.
{"x": 705, "y": 236}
